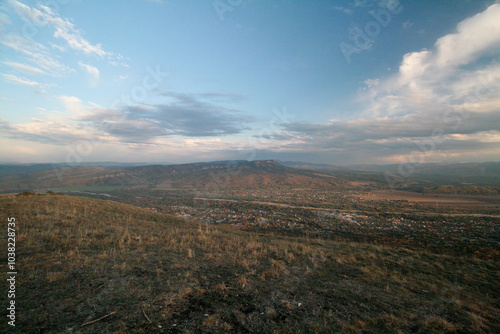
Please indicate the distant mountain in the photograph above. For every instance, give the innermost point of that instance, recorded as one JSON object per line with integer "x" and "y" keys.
{"x": 15, "y": 168}
{"x": 480, "y": 174}
{"x": 477, "y": 173}
{"x": 469, "y": 168}
{"x": 11, "y": 169}
{"x": 237, "y": 174}
{"x": 311, "y": 166}
{"x": 67, "y": 177}
{"x": 463, "y": 169}
{"x": 220, "y": 174}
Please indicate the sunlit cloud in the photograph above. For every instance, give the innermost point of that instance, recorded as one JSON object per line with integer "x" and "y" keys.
{"x": 24, "y": 68}
{"x": 37, "y": 53}
{"x": 22, "y": 81}
{"x": 64, "y": 30}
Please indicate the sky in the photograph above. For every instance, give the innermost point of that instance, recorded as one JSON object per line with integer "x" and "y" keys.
{"x": 332, "y": 82}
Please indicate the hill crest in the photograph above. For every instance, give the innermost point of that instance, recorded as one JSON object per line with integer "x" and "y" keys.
{"x": 234, "y": 173}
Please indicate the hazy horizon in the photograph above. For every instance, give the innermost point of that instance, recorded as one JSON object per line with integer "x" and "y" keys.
{"x": 166, "y": 163}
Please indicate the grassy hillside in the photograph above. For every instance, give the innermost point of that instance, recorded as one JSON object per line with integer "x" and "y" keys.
{"x": 81, "y": 259}
{"x": 465, "y": 190}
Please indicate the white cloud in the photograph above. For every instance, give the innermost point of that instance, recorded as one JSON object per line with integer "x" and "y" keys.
{"x": 22, "y": 81}
{"x": 24, "y": 68}
{"x": 475, "y": 36}
{"x": 59, "y": 47}
{"x": 73, "y": 105}
{"x": 22, "y": 44}
{"x": 459, "y": 65}
{"x": 92, "y": 71}
{"x": 77, "y": 42}
{"x": 50, "y": 64}
{"x": 64, "y": 29}
{"x": 37, "y": 53}
{"x": 4, "y": 20}
{"x": 372, "y": 82}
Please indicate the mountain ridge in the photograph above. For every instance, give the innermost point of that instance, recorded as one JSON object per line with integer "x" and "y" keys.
{"x": 227, "y": 173}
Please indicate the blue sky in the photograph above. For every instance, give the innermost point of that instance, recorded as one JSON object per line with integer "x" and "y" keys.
{"x": 338, "y": 82}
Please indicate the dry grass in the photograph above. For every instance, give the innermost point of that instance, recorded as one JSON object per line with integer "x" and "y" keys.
{"x": 80, "y": 259}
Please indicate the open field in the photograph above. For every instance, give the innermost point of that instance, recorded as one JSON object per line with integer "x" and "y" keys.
{"x": 81, "y": 259}
{"x": 94, "y": 189}
{"x": 458, "y": 234}
{"x": 457, "y": 201}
